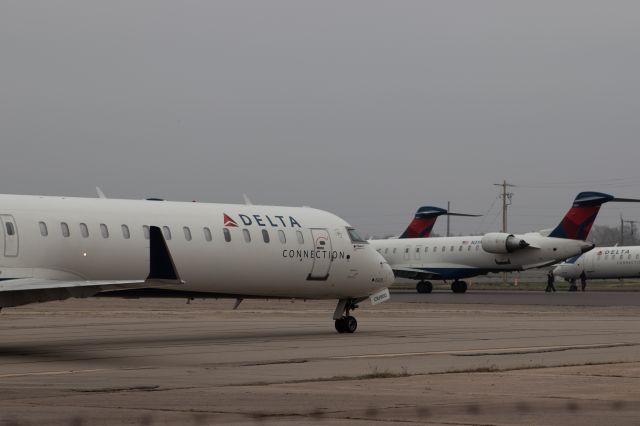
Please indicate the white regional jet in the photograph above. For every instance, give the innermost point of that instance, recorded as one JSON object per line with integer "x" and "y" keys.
{"x": 603, "y": 263}
{"x": 60, "y": 247}
{"x": 455, "y": 258}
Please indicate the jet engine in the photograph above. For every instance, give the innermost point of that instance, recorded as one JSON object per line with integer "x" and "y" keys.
{"x": 502, "y": 243}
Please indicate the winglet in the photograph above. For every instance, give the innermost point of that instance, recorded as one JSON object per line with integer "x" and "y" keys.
{"x": 161, "y": 266}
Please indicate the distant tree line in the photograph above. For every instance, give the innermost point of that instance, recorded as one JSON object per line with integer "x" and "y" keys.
{"x": 609, "y": 236}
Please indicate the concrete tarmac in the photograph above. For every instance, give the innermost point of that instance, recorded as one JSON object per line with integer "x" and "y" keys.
{"x": 559, "y": 298}
{"x": 157, "y": 362}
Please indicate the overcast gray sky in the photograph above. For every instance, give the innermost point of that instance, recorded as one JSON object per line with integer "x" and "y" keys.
{"x": 365, "y": 108}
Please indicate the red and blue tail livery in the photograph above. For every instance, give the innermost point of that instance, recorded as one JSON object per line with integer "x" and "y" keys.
{"x": 422, "y": 223}
{"x": 579, "y": 219}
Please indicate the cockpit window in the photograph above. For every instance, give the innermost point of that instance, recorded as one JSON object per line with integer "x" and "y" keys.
{"x": 355, "y": 237}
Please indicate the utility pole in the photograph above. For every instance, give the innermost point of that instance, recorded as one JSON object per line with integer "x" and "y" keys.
{"x": 506, "y": 201}
{"x": 631, "y": 226}
{"x": 448, "y": 218}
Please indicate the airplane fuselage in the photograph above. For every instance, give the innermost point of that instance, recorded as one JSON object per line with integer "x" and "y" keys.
{"x": 261, "y": 251}
{"x": 463, "y": 257}
{"x": 603, "y": 263}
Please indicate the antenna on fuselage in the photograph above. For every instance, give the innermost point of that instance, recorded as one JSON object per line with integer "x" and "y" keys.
{"x": 247, "y": 201}
{"x": 100, "y": 193}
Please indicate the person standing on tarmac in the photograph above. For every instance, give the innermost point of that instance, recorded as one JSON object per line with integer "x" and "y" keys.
{"x": 550, "y": 282}
{"x": 583, "y": 280}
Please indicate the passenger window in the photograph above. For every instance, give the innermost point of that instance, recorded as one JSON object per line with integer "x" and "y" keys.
{"x": 246, "y": 235}
{"x": 460, "y": 248}
{"x": 10, "y": 229}
{"x": 435, "y": 249}
{"x": 629, "y": 257}
{"x": 125, "y": 232}
{"x": 227, "y": 234}
{"x": 637, "y": 256}
{"x": 207, "y": 234}
{"x": 281, "y": 236}
{"x": 469, "y": 248}
{"x": 265, "y": 236}
{"x": 417, "y": 249}
{"x": 84, "y": 231}
{"x": 104, "y": 230}
{"x": 187, "y": 233}
{"x": 452, "y": 248}
{"x": 444, "y": 248}
{"x": 43, "y": 229}
{"x": 394, "y": 251}
{"x": 406, "y": 250}
{"x": 300, "y": 237}
{"x": 166, "y": 231}
{"x": 65, "y": 229}
{"x": 426, "y": 249}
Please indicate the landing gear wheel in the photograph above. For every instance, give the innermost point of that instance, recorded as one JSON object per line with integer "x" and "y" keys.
{"x": 459, "y": 286}
{"x": 350, "y": 324}
{"x": 346, "y": 324}
{"x": 573, "y": 287}
{"x": 424, "y": 287}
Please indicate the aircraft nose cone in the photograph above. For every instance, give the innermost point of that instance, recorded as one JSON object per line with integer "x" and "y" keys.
{"x": 587, "y": 247}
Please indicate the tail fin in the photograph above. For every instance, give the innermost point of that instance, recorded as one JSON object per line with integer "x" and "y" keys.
{"x": 422, "y": 223}
{"x": 579, "y": 219}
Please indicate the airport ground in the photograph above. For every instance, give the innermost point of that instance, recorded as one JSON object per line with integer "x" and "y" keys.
{"x": 418, "y": 359}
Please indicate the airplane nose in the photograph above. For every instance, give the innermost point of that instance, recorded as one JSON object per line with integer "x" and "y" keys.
{"x": 389, "y": 278}
{"x": 587, "y": 247}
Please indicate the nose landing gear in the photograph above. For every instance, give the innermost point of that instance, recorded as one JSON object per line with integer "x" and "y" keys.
{"x": 345, "y": 323}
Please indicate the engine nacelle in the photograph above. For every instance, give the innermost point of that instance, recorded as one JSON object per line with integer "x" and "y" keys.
{"x": 501, "y": 243}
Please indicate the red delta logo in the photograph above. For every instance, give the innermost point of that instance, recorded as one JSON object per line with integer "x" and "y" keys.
{"x": 229, "y": 222}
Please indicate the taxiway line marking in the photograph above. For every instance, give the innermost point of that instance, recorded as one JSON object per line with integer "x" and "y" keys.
{"x": 489, "y": 351}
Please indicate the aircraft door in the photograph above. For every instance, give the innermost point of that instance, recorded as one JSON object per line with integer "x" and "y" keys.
{"x": 322, "y": 255}
{"x": 10, "y": 231}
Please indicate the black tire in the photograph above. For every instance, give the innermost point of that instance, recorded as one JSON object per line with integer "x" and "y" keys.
{"x": 421, "y": 288}
{"x": 350, "y": 324}
{"x": 463, "y": 286}
{"x": 340, "y": 325}
{"x": 428, "y": 287}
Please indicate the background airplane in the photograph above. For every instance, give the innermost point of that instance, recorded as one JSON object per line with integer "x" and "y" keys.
{"x": 455, "y": 258}
{"x": 61, "y": 247}
{"x": 602, "y": 263}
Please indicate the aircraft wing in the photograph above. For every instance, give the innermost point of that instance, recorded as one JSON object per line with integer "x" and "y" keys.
{"x": 162, "y": 273}
{"x": 438, "y": 271}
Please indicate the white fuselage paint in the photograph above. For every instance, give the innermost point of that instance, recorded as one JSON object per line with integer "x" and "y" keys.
{"x": 255, "y": 268}
{"x": 603, "y": 262}
{"x": 466, "y": 255}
